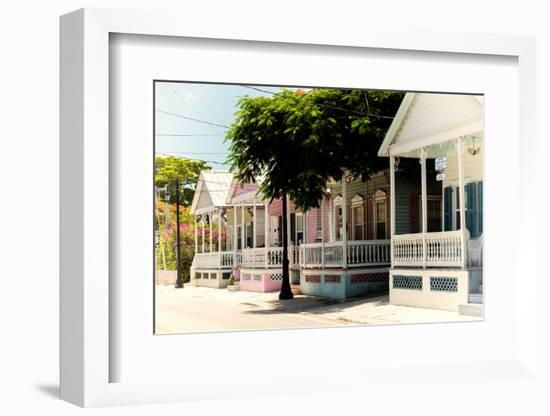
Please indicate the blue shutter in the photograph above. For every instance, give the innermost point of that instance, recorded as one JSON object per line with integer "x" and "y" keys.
{"x": 448, "y": 208}
{"x": 479, "y": 208}
{"x": 471, "y": 208}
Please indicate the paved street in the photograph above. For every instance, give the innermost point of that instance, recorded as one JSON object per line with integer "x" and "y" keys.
{"x": 199, "y": 309}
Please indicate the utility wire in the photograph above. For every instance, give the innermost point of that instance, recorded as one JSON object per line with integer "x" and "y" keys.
{"x": 192, "y": 119}
{"x": 327, "y": 106}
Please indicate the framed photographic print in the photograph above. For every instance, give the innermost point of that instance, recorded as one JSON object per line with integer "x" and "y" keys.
{"x": 271, "y": 211}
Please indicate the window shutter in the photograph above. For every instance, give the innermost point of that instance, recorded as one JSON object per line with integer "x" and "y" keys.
{"x": 448, "y": 208}
{"x": 470, "y": 208}
{"x": 479, "y": 208}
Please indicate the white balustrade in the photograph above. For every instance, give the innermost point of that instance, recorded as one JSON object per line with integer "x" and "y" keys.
{"x": 368, "y": 252}
{"x": 214, "y": 260}
{"x": 359, "y": 253}
{"x": 442, "y": 249}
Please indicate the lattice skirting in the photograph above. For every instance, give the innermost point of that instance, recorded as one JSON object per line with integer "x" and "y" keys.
{"x": 443, "y": 284}
{"x": 370, "y": 278}
{"x": 313, "y": 279}
{"x": 407, "y": 282}
{"x": 332, "y": 278}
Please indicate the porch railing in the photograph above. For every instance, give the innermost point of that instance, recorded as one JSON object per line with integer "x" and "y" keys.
{"x": 443, "y": 249}
{"x": 268, "y": 257}
{"x": 214, "y": 260}
{"x": 358, "y": 253}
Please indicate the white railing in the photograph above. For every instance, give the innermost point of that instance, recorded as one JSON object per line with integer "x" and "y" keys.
{"x": 443, "y": 249}
{"x": 358, "y": 253}
{"x": 270, "y": 257}
{"x": 214, "y": 260}
{"x": 368, "y": 252}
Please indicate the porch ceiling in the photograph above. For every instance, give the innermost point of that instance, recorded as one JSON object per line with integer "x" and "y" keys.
{"x": 431, "y": 120}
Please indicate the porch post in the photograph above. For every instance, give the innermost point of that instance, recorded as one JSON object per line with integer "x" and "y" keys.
{"x": 289, "y": 239}
{"x": 254, "y": 232}
{"x": 266, "y": 225}
{"x": 234, "y": 235}
{"x": 254, "y": 222}
{"x": 202, "y": 223}
{"x": 323, "y": 232}
{"x": 424, "y": 205}
{"x": 196, "y": 236}
{"x": 392, "y": 205}
{"x": 266, "y": 230}
{"x": 344, "y": 223}
{"x": 220, "y": 237}
{"x": 462, "y": 197}
{"x": 210, "y": 229}
{"x": 243, "y": 228}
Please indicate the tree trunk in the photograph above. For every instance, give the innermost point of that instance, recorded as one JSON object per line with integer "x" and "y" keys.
{"x": 286, "y": 291}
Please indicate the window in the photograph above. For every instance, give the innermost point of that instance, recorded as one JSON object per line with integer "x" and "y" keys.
{"x": 357, "y": 217}
{"x": 239, "y": 237}
{"x": 358, "y": 223}
{"x": 299, "y": 227}
{"x": 380, "y": 223}
{"x": 474, "y": 208}
{"x": 338, "y": 220}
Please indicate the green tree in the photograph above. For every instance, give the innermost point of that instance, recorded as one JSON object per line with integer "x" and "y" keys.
{"x": 297, "y": 141}
{"x": 171, "y": 168}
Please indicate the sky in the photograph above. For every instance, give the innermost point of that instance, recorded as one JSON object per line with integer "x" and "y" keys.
{"x": 212, "y": 106}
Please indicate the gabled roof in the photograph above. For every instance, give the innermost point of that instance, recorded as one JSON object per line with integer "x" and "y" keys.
{"x": 212, "y": 190}
{"x": 426, "y": 119}
{"x": 241, "y": 191}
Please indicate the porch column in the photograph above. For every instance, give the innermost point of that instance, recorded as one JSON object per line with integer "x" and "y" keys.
{"x": 323, "y": 232}
{"x": 266, "y": 225}
{"x": 196, "y": 236}
{"x": 220, "y": 237}
{"x": 243, "y": 228}
{"x": 210, "y": 229}
{"x": 266, "y": 231}
{"x": 344, "y": 223}
{"x": 202, "y": 223}
{"x": 289, "y": 241}
{"x": 254, "y": 231}
{"x": 462, "y": 197}
{"x": 392, "y": 205}
{"x": 424, "y": 205}
{"x": 235, "y": 236}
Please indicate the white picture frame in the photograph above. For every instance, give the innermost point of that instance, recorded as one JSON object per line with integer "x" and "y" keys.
{"x": 86, "y": 305}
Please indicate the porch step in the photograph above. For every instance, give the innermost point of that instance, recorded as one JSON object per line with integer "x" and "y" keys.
{"x": 234, "y": 288}
{"x": 471, "y": 309}
{"x": 475, "y": 298}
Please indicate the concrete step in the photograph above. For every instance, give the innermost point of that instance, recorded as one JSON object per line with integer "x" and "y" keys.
{"x": 234, "y": 288}
{"x": 471, "y": 309}
{"x": 475, "y": 298}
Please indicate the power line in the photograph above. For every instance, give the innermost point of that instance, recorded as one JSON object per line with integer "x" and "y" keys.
{"x": 192, "y": 119}
{"x": 326, "y": 105}
{"x": 188, "y": 135}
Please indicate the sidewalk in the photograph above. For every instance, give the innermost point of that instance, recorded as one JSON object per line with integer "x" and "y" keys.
{"x": 200, "y": 309}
